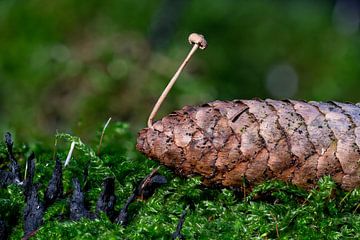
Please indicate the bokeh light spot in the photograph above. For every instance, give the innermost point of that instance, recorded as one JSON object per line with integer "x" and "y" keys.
{"x": 282, "y": 81}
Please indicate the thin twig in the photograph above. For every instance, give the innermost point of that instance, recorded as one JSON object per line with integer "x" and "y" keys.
{"x": 31, "y": 234}
{"x": 177, "y": 234}
{"x": 199, "y": 42}
{"x": 102, "y": 135}
{"x": 148, "y": 178}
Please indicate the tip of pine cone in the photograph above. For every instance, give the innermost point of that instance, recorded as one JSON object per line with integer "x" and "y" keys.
{"x": 141, "y": 144}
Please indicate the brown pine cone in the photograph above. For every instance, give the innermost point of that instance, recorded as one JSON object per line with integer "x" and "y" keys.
{"x": 227, "y": 141}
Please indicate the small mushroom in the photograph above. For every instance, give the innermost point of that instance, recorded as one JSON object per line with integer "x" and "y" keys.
{"x": 198, "y": 39}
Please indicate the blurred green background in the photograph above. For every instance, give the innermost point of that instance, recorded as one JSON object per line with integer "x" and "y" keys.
{"x": 70, "y": 65}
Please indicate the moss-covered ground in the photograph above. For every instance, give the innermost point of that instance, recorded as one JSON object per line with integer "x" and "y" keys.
{"x": 273, "y": 210}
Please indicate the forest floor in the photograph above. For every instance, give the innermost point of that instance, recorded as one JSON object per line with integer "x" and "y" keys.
{"x": 273, "y": 210}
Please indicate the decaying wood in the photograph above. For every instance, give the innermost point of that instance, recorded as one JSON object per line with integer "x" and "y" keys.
{"x": 107, "y": 199}
{"x": 77, "y": 203}
{"x": 293, "y": 141}
{"x": 33, "y": 212}
{"x": 55, "y": 187}
{"x": 14, "y": 166}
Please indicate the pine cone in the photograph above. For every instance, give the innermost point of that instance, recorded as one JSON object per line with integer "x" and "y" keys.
{"x": 229, "y": 141}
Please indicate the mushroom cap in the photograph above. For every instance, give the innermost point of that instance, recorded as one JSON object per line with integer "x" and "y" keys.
{"x": 195, "y": 38}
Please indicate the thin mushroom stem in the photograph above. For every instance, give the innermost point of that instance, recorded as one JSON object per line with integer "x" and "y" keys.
{"x": 199, "y": 42}
{"x": 102, "y": 135}
{"x": 72, "y": 146}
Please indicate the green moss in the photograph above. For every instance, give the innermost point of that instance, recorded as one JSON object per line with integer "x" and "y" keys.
{"x": 272, "y": 210}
